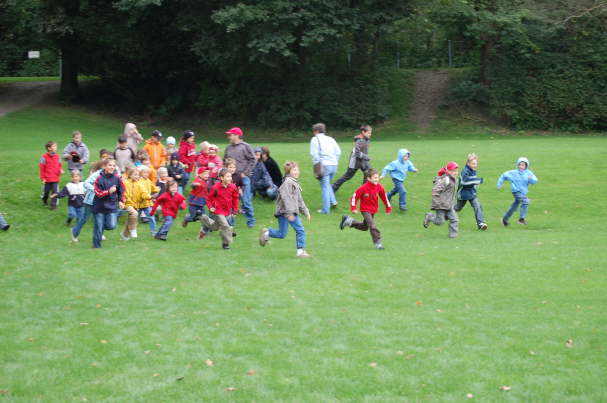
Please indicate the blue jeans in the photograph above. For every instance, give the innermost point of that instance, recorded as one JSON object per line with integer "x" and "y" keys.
{"x": 283, "y": 227}
{"x": 521, "y": 199}
{"x": 151, "y": 218}
{"x": 3, "y": 222}
{"x": 399, "y": 188}
{"x": 328, "y": 196}
{"x": 247, "y": 202}
{"x": 270, "y": 193}
{"x": 166, "y": 226}
{"x": 81, "y": 220}
{"x": 194, "y": 213}
{"x": 74, "y": 212}
{"x": 102, "y": 221}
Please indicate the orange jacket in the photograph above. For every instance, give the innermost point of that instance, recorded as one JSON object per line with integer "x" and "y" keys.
{"x": 158, "y": 155}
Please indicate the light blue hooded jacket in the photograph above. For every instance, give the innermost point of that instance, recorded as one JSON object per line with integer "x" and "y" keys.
{"x": 519, "y": 180}
{"x": 398, "y": 168}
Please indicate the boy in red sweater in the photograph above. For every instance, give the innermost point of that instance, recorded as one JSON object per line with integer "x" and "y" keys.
{"x": 368, "y": 196}
{"x": 223, "y": 203}
{"x": 50, "y": 173}
{"x": 198, "y": 197}
{"x": 170, "y": 201}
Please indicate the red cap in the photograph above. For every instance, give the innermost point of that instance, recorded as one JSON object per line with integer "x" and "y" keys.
{"x": 452, "y": 165}
{"x": 235, "y": 130}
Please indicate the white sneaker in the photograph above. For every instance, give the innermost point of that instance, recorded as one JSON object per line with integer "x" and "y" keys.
{"x": 103, "y": 237}
{"x": 302, "y": 253}
{"x": 74, "y": 239}
{"x": 133, "y": 233}
{"x": 123, "y": 237}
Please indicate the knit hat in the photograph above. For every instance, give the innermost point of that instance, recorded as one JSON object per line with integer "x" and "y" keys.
{"x": 174, "y": 156}
{"x": 235, "y": 130}
{"x": 171, "y": 140}
{"x": 257, "y": 150}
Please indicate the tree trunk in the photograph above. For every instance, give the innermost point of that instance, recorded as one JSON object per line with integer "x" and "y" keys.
{"x": 484, "y": 61}
{"x": 70, "y": 88}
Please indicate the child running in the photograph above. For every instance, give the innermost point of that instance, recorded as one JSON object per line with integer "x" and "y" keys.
{"x": 75, "y": 191}
{"x": 443, "y": 192}
{"x": 109, "y": 192}
{"x": 223, "y": 203}
{"x": 198, "y": 197}
{"x": 50, "y": 173}
{"x": 289, "y": 205}
{"x": 398, "y": 171}
{"x": 466, "y": 190}
{"x": 150, "y": 190}
{"x": 368, "y": 194}
{"x": 520, "y": 179}
{"x": 134, "y": 198}
{"x": 171, "y": 201}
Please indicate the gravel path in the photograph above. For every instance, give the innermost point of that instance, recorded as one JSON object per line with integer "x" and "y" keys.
{"x": 15, "y": 96}
{"x": 430, "y": 89}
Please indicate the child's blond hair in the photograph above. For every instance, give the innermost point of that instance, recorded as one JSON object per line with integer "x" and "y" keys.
{"x": 288, "y": 166}
{"x": 230, "y": 161}
{"x": 471, "y": 157}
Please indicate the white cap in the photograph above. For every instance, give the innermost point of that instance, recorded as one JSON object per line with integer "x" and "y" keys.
{"x": 171, "y": 140}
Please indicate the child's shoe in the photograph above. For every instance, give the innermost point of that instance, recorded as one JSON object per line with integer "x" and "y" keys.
{"x": 133, "y": 233}
{"x": 379, "y": 246}
{"x": 68, "y": 222}
{"x": 346, "y": 221}
{"x": 184, "y": 223}
{"x": 225, "y": 246}
{"x": 403, "y": 208}
{"x": 74, "y": 239}
{"x": 160, "y": 237}
{"x": 302, "y": 254}
{"x": 522, "y": 221}
{"x": 202, "y": 234}
{"x": 505, "y": 222}
{"x": 6, "y": 227}
{"x": 427, "y": 220}
{"x": 482, "y": 226}
{"x": 124, "y": 237}
{"x": 264, "y": 237}
{"x": 103, "y": 238}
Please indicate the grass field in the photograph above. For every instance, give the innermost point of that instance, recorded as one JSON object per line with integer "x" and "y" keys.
{"x": 427, "y": 319}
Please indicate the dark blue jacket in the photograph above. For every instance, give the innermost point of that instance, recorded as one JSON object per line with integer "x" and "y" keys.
{"x": 466, "y": 188}
{"x": 174, "y": 170}
{"x": 260, "y": 178}
{"x": 104, "y": 202}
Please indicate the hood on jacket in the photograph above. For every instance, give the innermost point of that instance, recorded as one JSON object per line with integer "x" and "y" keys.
{"x": 522, "y": 159}
{"x": 401, "y": 153}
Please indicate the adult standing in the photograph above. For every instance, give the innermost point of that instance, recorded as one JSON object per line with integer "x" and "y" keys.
{"x": 244, "y": 156}
{"x": 133, "y": 138}
{"x": 324, "y": 150}
{"x": 359, "y": 158}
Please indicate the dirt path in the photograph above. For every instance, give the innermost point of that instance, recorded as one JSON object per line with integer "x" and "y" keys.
{"x": 15, "y": 96}
{"x": 430, "y": 89}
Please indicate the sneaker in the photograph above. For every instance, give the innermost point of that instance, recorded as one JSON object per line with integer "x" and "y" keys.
{"x": 68, "y": 222}
{"x": 334, "y": 205}
{"x": 124, "y": 237}
{"x": 303, "y": 255}
{"x": 403, "y": 208}
{"x": 505, "y": 222}
{"x": 6, "y": 227}
{"x": 522, "y": 221}
{"x": 103, "y": 237}
{"x": 160, "y": 237}
{"x": 379, "y": 246}
{"x": 202, "y": 234}
{"x": 225, "y": 246}
{"x": 233, "y": 235}
{"x": 74, "y": 239}
{"x": 482, "y": 226}
{"x": 346, "y": 221}
{"x": 184, "y": 223}
{"x": 263, "y": 237}
{"x": 427, "y": 220}
{"x": 133, "y": 233}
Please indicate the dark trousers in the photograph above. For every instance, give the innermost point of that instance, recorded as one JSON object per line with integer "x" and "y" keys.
{"x": 349, "y": 174}
{"x": 367, "y": 224}
{"x": 49, "y": 189}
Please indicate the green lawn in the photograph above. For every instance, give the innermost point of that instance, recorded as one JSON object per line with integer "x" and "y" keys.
{"x": 427, "y": 319}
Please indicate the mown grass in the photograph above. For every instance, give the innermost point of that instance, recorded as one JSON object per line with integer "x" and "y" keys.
{"x": 428, "y": 319}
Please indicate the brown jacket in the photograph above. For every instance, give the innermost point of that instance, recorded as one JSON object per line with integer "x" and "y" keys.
{"x": 443, "y": 192}
{"x": 289, "y": 200}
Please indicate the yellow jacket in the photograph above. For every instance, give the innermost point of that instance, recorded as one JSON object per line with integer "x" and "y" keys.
{"x": 148, "y": 187}
{"x": 157, "y": 153}
{"x": 136, "y": 194}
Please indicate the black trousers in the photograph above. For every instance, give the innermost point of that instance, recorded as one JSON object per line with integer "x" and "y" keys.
{"x": 349, "y": 174}
{"x": 49, "y": 189}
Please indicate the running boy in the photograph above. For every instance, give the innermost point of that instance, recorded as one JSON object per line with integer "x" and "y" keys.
{"x": 289, "y": 205}
{"x": 443, "y": 192}
{"x": 466, "y": 190}
{"x": 398, "y": 171}
{"x": 222, "y": 202}
{"x": 368, "y": 194}
{"x": 520, "y": 179}
{"x": 359, "y": 158}
{"x": 171, "y": 201}
{"x": 198, "y": 197}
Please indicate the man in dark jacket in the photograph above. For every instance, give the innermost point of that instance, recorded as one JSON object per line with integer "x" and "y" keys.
{"x": 359, "y": 158}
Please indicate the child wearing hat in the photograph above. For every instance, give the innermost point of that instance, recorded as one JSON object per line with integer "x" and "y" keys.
{"x": 520, "y": 179}
{"x": 170, "y": 147}
{"x": 155, "y": 150}
{"x": 443, "y": 199}
{"x": 176, "y": 171}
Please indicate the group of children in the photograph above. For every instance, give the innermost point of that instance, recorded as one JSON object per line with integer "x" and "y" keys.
{"x": 142, "y": 183}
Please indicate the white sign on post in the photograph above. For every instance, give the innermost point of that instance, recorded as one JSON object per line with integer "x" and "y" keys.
{"x": 33, "y": 54}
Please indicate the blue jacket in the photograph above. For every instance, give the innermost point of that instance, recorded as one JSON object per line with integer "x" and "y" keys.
{"x": 260, "y": 178}
{"x": 519, "y": 180}
{"x": 468, "y": 181}
{"x": 89, "y": 187}
{"x": 398, "y": 168}
{"x": 105, "y": 202}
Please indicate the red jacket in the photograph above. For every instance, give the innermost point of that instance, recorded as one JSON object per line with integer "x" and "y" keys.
{"x": 187, "y": 154}
{"x": 200, "y": 188}
{"x": 170, "y": 204}
{"x": 367, "y": 194}
{"x": 50, "y": 167}
{"x": 223, "y": 198}
{"x": 203, "y": 163}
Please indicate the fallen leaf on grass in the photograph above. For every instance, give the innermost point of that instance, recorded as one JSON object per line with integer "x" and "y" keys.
{"x": 373, "y": 364}
{"x": 174, "y": 289}
{"x": 400, "y": 353}
{"x": 419, "y": 303}
{"x": 569, "y": 343}
{"x": 230, "y": 389}
{"x": 40, "y": 294}
{"x": 158, "y": 345}
{"x": 469, "y": 395}
{"x": 409, "y": 356}
{"x": 189, "y": 366}
{"x": 146, "y": 352}
{"x": 83, "y": 323}
{"x": 156, "y": 374}
{"x": 251, "y": 372}
{"x": 93, "y": 364}
{"x": 532, "y": 352}
{"x": 539, "y": 243}
{"x": 103, "y": 341}
{"x": 180, "y": 378}
{"x": 506, "y": 388}
{"x": 3, "y": 391}
{"x": 98, "y": 306}
{"x": 31, "y": 339}
{"x": 209, "y": 363}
